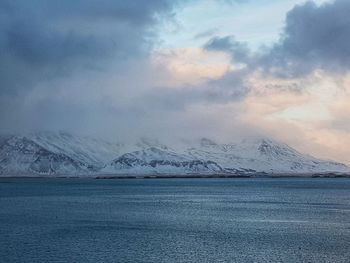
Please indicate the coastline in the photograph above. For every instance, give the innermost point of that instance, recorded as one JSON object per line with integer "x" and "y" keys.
{"x": 181, "y": 176}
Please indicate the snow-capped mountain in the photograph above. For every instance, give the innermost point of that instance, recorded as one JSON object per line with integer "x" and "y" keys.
{"x": 262, "y": 155}
{"x": 51, "y": 154}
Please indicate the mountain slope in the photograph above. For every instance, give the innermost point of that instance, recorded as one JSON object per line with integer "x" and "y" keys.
{"x": 20, "y": 156}
{"x": 157, "y": 161}
{"x": 262, "y": 155}
{"x": 92, "y": 151}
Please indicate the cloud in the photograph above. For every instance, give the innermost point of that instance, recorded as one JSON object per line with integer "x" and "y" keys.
{"x": 239, "y": 51}
{"x": 190, "y": 66}
{"x": 314, "y": 37}
{"x": 42, "y": 40}
{"x": 75, "y": 65}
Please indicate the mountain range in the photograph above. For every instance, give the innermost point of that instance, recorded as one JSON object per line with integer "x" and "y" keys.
{"x": 64, "y": 154}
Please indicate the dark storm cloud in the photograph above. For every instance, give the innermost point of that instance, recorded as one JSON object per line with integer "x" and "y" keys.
{"x": 314, "y": 37}
{"x": 41, "y": 39}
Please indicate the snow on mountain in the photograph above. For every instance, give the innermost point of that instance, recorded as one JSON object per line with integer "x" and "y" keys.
{"x": 66, "y": 154}
{"x": 91, "y": 151}
{"x": 158, "y": 161}
{"x": 262, "y": 155}
{"x": 21, "y": 156}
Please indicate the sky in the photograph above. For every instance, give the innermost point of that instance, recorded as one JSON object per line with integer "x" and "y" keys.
{"x": 180, "y": 68}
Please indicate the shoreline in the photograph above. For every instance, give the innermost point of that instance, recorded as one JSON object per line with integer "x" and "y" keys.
{"x": 180, "y": 176}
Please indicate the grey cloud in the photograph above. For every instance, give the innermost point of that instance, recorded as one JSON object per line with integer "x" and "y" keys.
{"x": 239, "y": 50}
{"x": 47, "y": 39}
{"x": 321, "y": 34}
{"x": 314, "y": 37}
{"x": 60, "y": 61}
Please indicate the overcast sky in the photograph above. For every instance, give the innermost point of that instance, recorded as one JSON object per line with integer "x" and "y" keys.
{"x": 185, "y": 68}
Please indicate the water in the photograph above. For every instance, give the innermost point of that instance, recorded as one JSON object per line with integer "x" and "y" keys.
{"x": 175, "y": 220}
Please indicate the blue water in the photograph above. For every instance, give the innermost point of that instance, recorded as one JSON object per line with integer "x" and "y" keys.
{"x": 175, "y": 220}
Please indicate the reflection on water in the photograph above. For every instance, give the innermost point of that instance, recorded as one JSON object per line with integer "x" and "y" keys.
{"x": 175, "y": 220}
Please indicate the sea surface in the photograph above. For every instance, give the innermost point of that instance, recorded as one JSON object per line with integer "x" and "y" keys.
{"x": 175, "y": 220}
